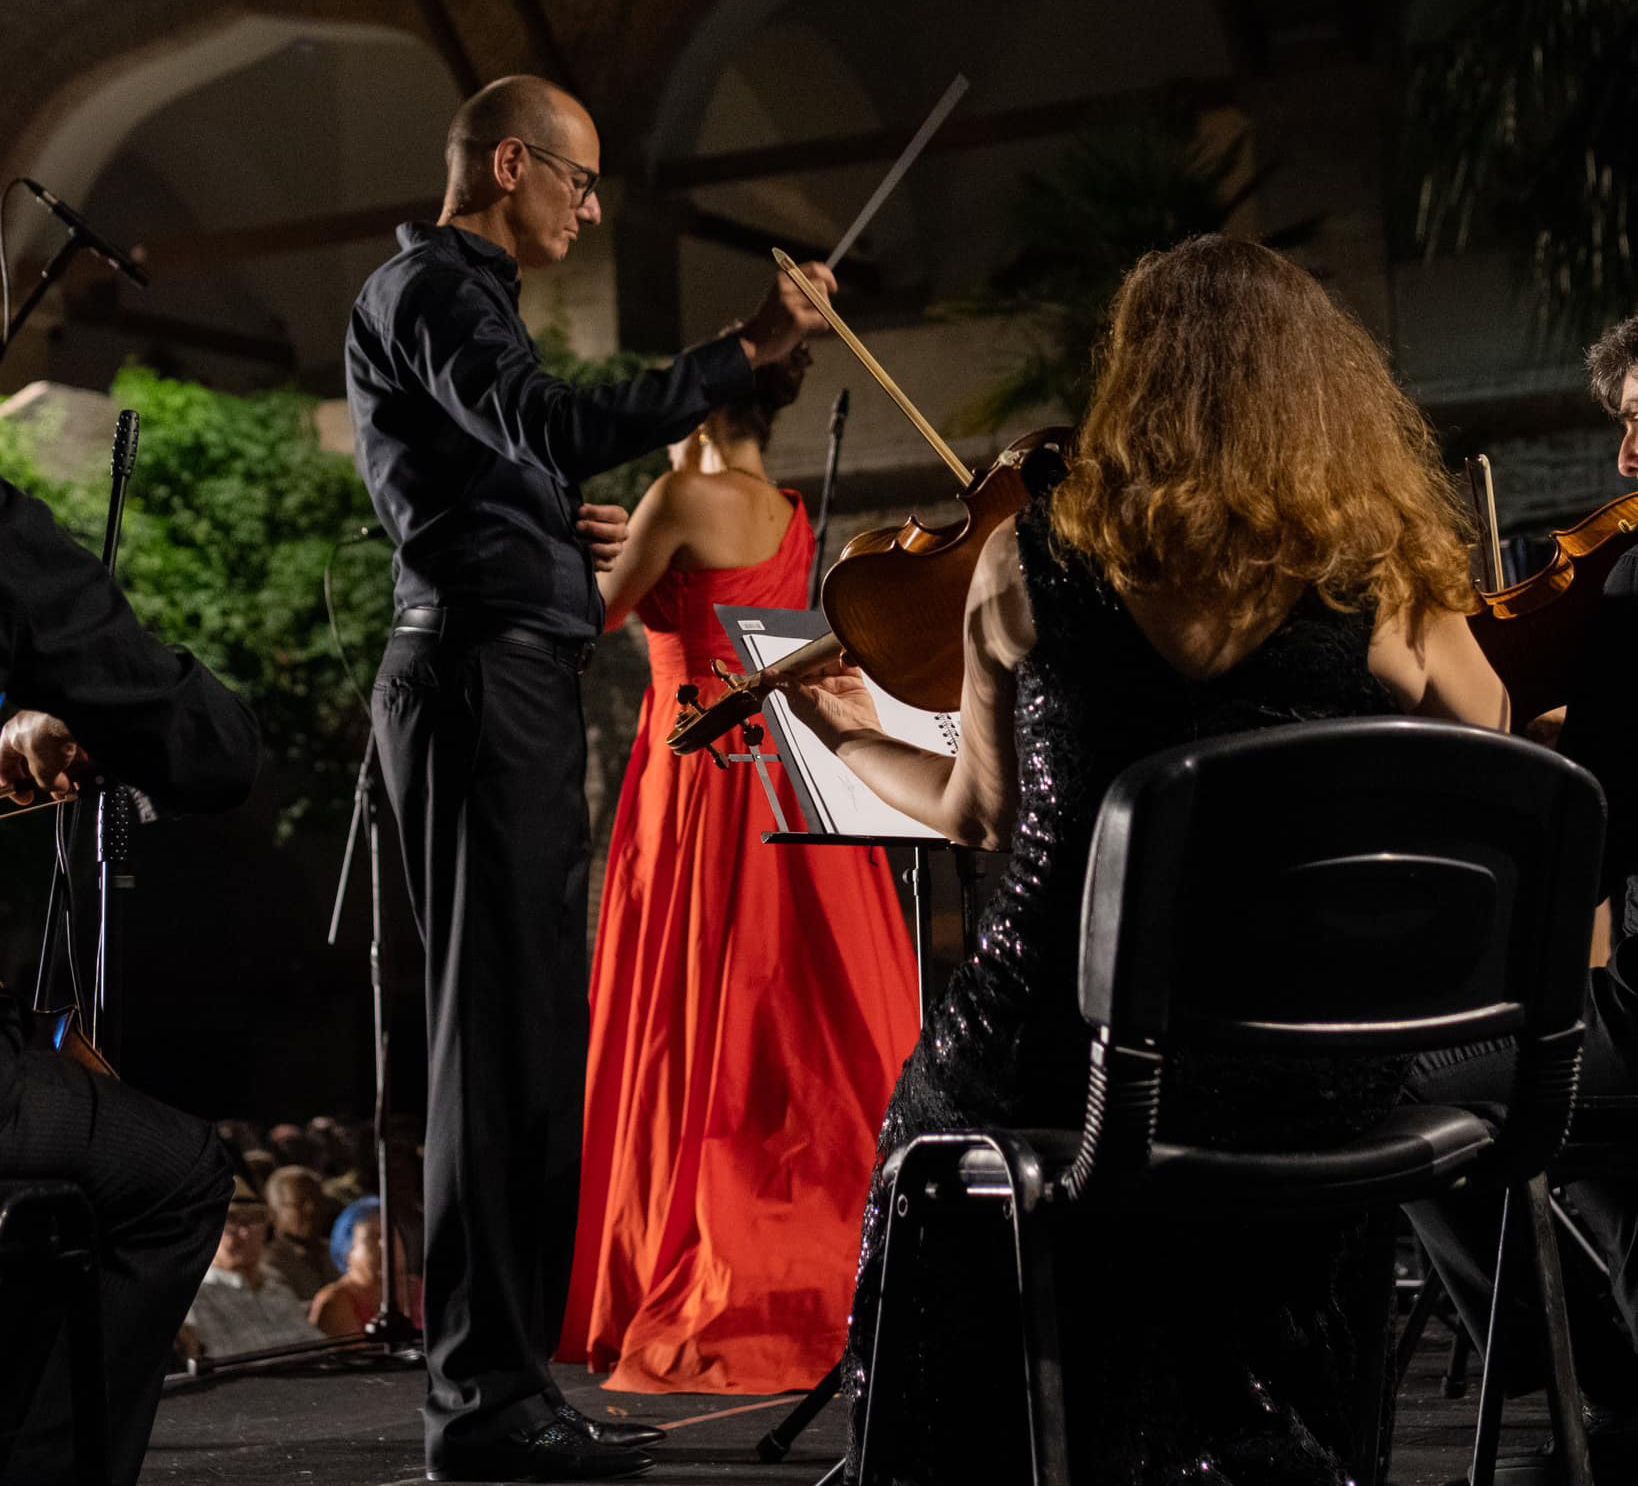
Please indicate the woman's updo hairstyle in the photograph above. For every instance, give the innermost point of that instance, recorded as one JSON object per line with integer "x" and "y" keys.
{"x": 775, "y": 386}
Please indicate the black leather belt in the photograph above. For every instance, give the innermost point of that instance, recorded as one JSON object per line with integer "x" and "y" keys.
{"x": 467, "y": 627}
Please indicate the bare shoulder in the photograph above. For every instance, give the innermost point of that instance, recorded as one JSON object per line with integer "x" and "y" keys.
{"x": 676, "y": 499}
{"x": 998, "y": 601}
{"x": 675, "y": 489}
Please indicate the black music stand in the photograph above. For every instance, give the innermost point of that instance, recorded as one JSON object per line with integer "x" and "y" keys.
{"x": 756, "y": 635}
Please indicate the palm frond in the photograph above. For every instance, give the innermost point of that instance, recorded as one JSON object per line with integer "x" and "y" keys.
{"x": 1520, "y": 124}
{"x": 1117, "y": 194}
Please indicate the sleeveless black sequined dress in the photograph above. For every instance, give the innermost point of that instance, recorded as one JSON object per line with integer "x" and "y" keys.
{"x": 1192, "y": 1353}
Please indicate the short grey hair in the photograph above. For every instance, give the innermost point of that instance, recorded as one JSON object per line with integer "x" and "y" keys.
{"x": 1610, "y": 360}
{"x": 281, "y": 1185}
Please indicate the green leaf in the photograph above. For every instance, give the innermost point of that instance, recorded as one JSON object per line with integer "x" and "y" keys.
{"x": 1120, "y": 191}
{"x": 232, "y": 512}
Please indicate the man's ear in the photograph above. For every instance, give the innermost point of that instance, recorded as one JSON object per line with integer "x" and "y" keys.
{"x": 506, "y": 164}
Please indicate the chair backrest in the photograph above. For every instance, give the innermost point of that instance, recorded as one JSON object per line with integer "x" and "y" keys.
{"x": 1383, "y": 885}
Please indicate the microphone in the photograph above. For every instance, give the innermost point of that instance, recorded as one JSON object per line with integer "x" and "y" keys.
{"x": 116, "y": 258}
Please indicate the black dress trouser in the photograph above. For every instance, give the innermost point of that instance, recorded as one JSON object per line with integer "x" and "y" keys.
{"x": 159, "y": 1182}
{"x": 1600, "y": 733}
{"x": 1460, "y": 1231}
{"x": 483, "y": 750}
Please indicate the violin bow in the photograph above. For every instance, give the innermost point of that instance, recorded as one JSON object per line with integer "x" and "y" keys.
{"x": 907, "y": 158}
{"x": 21, "y": 810}
{"x": 874, "y": 367}
{"x": 1484, "y": 505}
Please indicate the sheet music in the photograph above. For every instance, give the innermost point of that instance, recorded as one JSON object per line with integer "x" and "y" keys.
{"x": 843, "y": 805}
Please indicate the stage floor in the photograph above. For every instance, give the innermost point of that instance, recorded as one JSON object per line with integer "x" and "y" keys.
{"x": 361, "y": 1428}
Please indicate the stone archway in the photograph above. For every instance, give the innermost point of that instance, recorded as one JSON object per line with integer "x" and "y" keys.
{"x": 77, "y": 132}
{"x": 224, "y": 140}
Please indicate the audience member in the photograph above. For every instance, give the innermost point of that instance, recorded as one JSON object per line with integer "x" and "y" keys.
{"x": 240, "y": 1307}
{"x": 241, "y": 1135}
{"x": 356, "y": 1159}
{"x": 325, "y": 1134}
{"x": 299, "y": 1252}
{"x": 290, "y": 1145}
{"x": 260, "y": 1165}
{"x": 349, "y": 1303}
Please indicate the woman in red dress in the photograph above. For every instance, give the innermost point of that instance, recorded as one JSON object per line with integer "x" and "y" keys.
{"x": 750, "y": 1005}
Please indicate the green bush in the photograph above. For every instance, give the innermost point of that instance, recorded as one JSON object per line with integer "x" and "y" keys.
{"x": 233, "y": 512}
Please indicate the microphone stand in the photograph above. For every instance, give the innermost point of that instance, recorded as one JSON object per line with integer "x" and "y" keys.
{"x": 390, "y": 1326}
{"x": 80, "y": 235}
{"x": 389, "y": 1337}
{"x": 56, "y": 266}
{"x": 838, "y": 418}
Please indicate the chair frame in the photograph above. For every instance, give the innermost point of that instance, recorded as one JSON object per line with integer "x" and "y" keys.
{"x": 1143, "y": 878}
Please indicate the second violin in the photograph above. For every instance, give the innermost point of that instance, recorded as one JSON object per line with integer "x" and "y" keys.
{"x": 1533, "y": 630}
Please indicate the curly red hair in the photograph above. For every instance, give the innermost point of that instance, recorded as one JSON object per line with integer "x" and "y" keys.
{"x": 1246, "y": 432}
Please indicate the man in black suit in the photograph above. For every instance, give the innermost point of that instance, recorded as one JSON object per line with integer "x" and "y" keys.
{"x": 1599, "y": 731}
{"x": 112, "y": 696}
{"x": 473, "y": 457}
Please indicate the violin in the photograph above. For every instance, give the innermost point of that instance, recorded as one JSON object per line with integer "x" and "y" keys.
{"x": 895, "y": 597}
{"x": 1531, "y": 630}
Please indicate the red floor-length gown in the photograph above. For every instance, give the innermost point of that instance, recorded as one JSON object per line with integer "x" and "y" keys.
{"x": 751, "y": 1006}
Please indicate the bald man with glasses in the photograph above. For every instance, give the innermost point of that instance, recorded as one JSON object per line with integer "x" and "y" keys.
{"x": 473, "y": 456}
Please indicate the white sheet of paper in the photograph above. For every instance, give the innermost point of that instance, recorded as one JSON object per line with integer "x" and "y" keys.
{"x": 848, "y": 808}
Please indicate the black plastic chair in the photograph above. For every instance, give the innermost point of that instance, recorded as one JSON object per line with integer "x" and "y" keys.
{"x": 1363, "y": 887}
{"x": 1602, "y": 1142}
{"x": 49, "y": 1279}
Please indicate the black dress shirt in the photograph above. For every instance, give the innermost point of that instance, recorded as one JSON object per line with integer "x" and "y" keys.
{"x": 70, "y": 645}
{"x": 472, "y": 453}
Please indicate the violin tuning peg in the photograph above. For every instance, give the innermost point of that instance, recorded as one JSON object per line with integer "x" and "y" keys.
{"x": 716, "y": 758}
{"x": 753, "y": 734}
{"x": 688, "y": 695}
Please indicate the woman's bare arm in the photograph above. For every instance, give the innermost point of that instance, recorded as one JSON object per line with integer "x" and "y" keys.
{"x": 972, "y": 798}
{"x": 1434, "y": 668}
{"x": 656, "y": 532}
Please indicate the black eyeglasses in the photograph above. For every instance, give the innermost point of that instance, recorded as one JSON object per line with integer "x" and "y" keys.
{"x": 582, "y": 179}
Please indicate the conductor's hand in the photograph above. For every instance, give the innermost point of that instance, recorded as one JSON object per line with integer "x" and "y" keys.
{"x": 38, "y": 752}
{"x": 835, "y": 703}
{"x": 785, "y": 316}
{"x": 603, "y": 529}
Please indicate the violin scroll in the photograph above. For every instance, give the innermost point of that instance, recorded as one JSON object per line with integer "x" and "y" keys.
{"x": 689, "y": 719}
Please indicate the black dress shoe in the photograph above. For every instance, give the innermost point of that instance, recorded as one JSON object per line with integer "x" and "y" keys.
{"x": 541, "y": 1452}
{"x": 610, "y": 1431}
